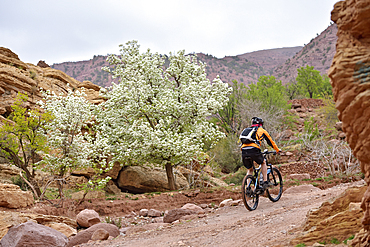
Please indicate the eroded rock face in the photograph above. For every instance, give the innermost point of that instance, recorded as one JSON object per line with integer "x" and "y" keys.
{"x": 350, "y": 78}
{"x": 17, "y": 76}
{"x": 11, "y": 196}
{"x": 338, "y": 219}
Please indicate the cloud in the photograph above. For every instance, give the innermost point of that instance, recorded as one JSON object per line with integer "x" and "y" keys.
{"x": 58, "y": 31}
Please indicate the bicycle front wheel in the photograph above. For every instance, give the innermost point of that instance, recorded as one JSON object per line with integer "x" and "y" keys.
{"x": 274, "y": 193}
{"x": 250, "y": 198}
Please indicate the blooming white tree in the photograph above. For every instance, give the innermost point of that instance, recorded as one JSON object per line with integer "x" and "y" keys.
{"x": 157, "y": 113}
{"x": 70, "y": 138}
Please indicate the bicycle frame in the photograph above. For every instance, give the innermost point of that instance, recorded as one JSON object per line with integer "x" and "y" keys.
{"x": 257, "y": 171}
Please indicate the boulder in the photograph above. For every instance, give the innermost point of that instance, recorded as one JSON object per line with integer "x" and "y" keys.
{"x": 338, "y": 126}
{"x": 193, "y": 207}
{"x": 63, "y": 228}
{"x": 100, "y": 234}
{"x": 87, "y": 218}
{"x": 154, "y": 213}
{"x": 176, "y": 214}
{"x": 143, "y": 212}
{"x": 31, "y": 234}
{"x": 10, "y": 219}
{"x": 11, "y": 196}
{"x": 86, "y": 235}
{"x": 112, "y": 188}
{"x": 142, "y": 179}
{"x": 340, "y": 219}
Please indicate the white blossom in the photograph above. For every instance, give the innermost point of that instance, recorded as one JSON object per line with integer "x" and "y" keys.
{"x": 156, "y": 114}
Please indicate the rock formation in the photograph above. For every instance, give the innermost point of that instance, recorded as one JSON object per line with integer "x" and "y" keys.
{"x": 33, "y": 234}
{"x": 350, "y": 78}
{"x": 17, "y": 76}
{"x": 10, "y": 219}
{"x": 11, "y": 196}
{"x": 340, "y": 218}
{"x": 141, "y": 179}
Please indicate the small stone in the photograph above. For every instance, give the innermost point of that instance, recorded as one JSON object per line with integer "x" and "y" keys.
{"x": 143, "y": 212}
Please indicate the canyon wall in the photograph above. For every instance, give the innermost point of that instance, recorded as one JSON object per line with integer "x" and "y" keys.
{"x": 350, "y": 78}
{"x": 17, "y": 76}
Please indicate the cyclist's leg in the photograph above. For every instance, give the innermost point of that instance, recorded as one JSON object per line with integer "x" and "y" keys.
{"x": 248, "y": 163}
{"x": 264, "y": 170}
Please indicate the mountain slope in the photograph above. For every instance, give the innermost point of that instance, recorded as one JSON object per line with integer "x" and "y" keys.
{"x": 246, "y": 68}
{"x": 319, "y": 52}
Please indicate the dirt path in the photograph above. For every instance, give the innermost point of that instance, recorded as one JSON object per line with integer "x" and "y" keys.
{"x": 272, "y": 224}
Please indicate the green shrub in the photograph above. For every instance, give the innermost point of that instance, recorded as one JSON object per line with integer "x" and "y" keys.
{"x": 227, "y": 154}
{"x": 17, "y": 180}
{"x": 237, "y": 177}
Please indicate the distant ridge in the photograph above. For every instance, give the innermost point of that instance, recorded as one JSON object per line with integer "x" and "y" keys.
{"x": 246, "y": 68}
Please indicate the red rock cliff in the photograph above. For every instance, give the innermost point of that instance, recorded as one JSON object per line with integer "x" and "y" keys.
{"x": 17, "y": 76}
{"x": 350, "y": 78}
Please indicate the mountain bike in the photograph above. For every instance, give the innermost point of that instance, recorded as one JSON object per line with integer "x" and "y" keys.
{"x": 252, "y": 189}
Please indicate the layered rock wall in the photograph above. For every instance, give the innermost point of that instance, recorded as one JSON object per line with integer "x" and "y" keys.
{"x": 350, "y": 78}
{"x": 17, "y": 76}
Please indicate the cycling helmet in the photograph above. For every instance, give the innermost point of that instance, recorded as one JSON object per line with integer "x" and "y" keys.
{"x": 257, "y": 120}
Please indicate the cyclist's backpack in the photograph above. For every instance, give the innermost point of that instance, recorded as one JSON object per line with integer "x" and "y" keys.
{"x": 248, "y": 135}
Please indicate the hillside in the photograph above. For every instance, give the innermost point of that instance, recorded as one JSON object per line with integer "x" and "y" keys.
{"x": 247, "y": 68}
{"x": 319, "y": 52}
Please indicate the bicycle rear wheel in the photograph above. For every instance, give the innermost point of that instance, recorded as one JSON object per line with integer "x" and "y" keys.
{"x": 250, "y": 198}
{"x": 274, "y": 193}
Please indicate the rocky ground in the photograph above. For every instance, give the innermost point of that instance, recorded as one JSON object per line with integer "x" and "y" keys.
{"x": 272, "y": 224}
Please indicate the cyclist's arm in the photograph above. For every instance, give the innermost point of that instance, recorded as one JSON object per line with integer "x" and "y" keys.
{"x": 269, "y": 140}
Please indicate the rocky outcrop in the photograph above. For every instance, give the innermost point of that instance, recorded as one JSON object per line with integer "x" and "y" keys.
{"x": 350, "y": 78}
{"x": 33, "y": 234}
{"x": 10, "y": 219}
{"x": 11, "y": 196}
{"x": 338, "y": 219}
{"x": 141, "y": 179}
{"x": 17, "y": 76}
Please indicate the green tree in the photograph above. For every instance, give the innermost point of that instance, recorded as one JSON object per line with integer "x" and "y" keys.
{"x": 325, "y": 88}
{"x": 269, "y": 92}
{"x": 229, "y": 117}
{"x": 159, "y": 114}
{"x": 22, "y": 137}
{"x": 309, "y": 80}
{"x": 293, "y": 91}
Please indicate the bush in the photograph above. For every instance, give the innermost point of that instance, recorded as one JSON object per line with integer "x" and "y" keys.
{"x": 227, "y": 154}
{"x": 17, "y": 180}
{"x": 237, "y": 177}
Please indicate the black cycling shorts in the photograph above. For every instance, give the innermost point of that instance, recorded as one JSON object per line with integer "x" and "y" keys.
{"x": 250, "y": 154}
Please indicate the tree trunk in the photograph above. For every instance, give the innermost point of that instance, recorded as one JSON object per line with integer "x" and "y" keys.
{"x": 170, "y": 177}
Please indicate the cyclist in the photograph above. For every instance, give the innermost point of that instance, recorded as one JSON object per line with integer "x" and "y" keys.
{"x": 251, "y": 149}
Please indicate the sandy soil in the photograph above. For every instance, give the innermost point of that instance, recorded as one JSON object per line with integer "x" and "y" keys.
{"x": 271, "y": 224}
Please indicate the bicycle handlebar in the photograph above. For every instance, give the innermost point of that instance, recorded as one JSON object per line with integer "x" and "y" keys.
{"x": 269, "y": 152}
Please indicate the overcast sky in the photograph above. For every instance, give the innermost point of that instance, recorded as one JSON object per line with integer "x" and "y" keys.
{"x": 73, "y": 30}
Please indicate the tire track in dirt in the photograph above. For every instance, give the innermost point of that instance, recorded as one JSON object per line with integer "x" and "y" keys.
{"x": 271, "y": 224}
